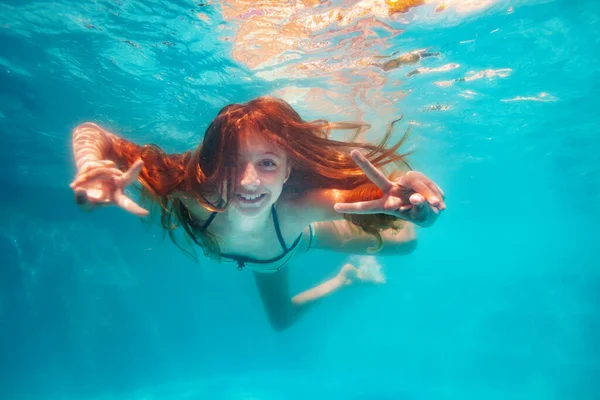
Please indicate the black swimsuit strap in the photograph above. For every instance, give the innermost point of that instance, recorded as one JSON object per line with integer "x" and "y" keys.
{"x": 209, "y": 220}
{"x": 242, "y": 260}
{"x": 277, "y": 229}
{"x": 275, "y": 223}
{"x": 212, "y": 216}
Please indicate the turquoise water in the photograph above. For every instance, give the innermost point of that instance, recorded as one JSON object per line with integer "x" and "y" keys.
{"x": 500, "y": 300}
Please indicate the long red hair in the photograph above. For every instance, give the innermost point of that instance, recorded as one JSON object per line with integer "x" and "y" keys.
{"x": 317, "y": 162}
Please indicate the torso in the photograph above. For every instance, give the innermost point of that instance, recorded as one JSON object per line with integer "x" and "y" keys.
{"x": 262, "y": 246}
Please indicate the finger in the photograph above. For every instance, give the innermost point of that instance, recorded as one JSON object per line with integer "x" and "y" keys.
{"x": 431, "y": 184}
{"x": 129, "y": 205}
{"x": 432, "y": 191}
{"x": 374, "y": 175}
{"x": 438, "y": 191}
{"x": 131, "y": 175}
{"x": 93, "y": 175}
{"x": 416, "y": 199}
{"x": 441, "y": 191}
{"x": 98, "y": 173}
{"x": 361, "y": 207}
{"x": 419, "y": 186}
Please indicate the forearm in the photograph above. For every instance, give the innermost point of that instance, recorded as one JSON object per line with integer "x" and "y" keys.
{"x": 90, "y": 143}
{"x": 311, "y": 296}
{"x": 319, "y": 205}
{"x": 341, "y": 236}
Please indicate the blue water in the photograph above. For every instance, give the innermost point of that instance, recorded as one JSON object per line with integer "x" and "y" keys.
{"x": 500, "y": 300}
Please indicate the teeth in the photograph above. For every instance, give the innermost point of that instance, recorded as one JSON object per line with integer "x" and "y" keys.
{"x": 250, "y": 197}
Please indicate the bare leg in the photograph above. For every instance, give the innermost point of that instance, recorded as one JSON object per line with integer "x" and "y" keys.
{"x": 274, "y": 293}
{"x": 282, "y": 311}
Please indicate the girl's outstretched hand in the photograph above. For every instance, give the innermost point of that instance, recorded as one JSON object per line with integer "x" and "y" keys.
{"x": 412, "y": 197}
{"x": 101, "y": 183}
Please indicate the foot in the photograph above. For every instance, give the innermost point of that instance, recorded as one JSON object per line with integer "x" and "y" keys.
{"x": 366, "y": 273}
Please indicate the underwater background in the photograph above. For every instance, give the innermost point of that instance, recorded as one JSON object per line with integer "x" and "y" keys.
{"x": 501, "y": 297}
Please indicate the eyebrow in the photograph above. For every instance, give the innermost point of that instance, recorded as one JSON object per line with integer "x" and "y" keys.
{"x": 268, "y": 152}
{"x": 273, "y": 153}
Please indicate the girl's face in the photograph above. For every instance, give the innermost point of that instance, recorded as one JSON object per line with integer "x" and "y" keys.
{"x": 263, "y": 170}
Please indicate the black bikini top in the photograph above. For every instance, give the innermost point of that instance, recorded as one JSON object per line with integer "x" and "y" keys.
{"x": 243, "y": 260}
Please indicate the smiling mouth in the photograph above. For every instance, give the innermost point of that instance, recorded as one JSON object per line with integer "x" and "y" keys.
{"x": 250, "y": 198}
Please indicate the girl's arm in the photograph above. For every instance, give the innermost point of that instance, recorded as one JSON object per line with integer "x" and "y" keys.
{"x": 343, "y": 237}
{"x": 410, "y": 196}
{"x": 91, "y": 143}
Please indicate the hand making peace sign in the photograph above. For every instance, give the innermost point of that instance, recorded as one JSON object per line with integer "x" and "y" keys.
{"x": 412, "y": 197}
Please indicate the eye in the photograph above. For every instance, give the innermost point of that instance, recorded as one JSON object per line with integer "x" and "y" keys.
{"x": 269, "y": 164}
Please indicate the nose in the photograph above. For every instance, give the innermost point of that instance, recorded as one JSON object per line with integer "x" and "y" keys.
{"x": 250, "y": 177}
